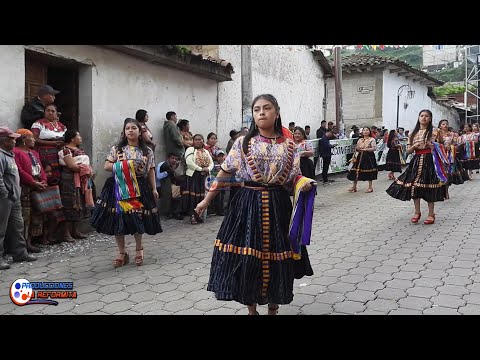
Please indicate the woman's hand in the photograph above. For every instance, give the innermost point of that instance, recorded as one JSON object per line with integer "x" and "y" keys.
{"x": 201, "y": 207}
{"x": 155, "y": 194}
{"x": 306, "y": 187}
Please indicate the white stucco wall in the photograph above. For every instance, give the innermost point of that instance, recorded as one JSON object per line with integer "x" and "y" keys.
{"x": 294, "y": 77}
{"x": 230, "y": 96}
{"x": 289, "y": 72}
{"x": 12, "y": 84}
{"x": 441, "y": 112}
{"x": 123, "y": 84}
{"x": 407, "y": 118}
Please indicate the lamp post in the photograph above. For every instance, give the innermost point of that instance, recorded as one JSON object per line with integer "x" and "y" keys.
{"x": 410, "y": 95}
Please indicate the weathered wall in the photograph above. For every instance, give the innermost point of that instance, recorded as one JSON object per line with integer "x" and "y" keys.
{"x": 12, "y": 85}
{"x": 122, "y": 84}
{"x": 362, "y": 99}
{"x": 289, "y": 72}
{"x": 441, "y": 112}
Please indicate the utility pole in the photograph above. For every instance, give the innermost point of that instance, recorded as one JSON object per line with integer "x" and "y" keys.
{"x": 247, "y": 96}
{"x": 338, "y": 90}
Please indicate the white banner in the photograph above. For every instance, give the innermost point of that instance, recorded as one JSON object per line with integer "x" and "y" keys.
{"x": 343, "y": 152}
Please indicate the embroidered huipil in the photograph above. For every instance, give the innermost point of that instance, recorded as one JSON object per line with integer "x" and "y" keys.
{"x": 272, "y": 162}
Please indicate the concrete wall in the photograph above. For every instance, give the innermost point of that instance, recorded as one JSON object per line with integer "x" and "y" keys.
{"x": 441, "y": 112}
{"x": 362, "y": 99}
{"x": 12, "y": 85}
{"x": 120, "y": 85}
{"x": 289, "y": 72}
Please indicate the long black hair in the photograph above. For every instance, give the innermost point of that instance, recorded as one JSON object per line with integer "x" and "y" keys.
{"x": 124, "y": 141}
{"x": 440, "y": 137}
{"x": 140, "y": 115}
{"x": 429, "y": 131}
{"x": 391, "y": 136}
{"x": 253, "y": 127}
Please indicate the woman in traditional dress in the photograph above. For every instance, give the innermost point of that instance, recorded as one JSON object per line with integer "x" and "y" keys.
{"x": 468, "y": 143}
{"x": 364, "y": 165}
{"x": 457, "y": 174}
{"x": 32, "y": 177}
{"x": 199, "y": 164}
{"x": 305, "y": 150}
{"x": 253, "y": 262}
{"x": 142, "y": 117}
{"x": 127, "y": 204}
{"x": 393, "y": 161}
{"x": 76, "y": 172}
{"x": 420, "y": 180}
{"x": 48, "y": 134}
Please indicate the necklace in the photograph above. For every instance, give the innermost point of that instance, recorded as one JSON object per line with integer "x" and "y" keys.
{"x": 272, "y": 139}
{"x": 55, "y": 125}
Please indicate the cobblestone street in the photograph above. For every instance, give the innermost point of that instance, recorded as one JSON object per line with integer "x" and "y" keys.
{"x": 367, "y": 258}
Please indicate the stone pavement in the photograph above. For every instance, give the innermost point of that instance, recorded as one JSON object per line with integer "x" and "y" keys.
{"x": 367, "y": 258}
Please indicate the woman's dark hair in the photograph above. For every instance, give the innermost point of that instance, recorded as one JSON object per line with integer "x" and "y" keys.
{"x": 440, "y": 137}
{"x": 140, "y": 115}
{"x": 299, "y": 128}
{"x": 253, "y": 128}
{"x": 467, "y": 126}
{"x": 370, "y": 130}
{"x": 52, "y": 104}
{"x": 45, "y": 165}
{"x": 210, "y": 135}
{"x": 69, "y": 135}
{"x": 182, "y": 124}
{"x": 124, "y": 141}
{"x": 201, "y": 136}
{"x": 391, "y": 136}
{"x": 429, "y": 131}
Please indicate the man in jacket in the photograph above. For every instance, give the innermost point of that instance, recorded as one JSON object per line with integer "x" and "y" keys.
{"x": 326, "y": 154}
{"x": 11, "y": 220}
{"x": 34, "y": 110}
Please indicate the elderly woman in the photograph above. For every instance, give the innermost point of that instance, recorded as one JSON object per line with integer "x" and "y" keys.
{"x": 32, "y": 177}
{"x": 75, "y": 175}
{"x": 48, "y": 134}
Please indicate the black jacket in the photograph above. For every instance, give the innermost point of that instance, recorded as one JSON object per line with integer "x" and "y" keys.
{"x": 320, "y": 132}
{"x": 32, "y": 112}
{"x": 325, "y": 147}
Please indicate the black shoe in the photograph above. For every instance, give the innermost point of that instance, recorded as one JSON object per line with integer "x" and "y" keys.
{"x": 26, "y": 257}
{"x": 331, "y": 181}
{"x": 4, "y": 265}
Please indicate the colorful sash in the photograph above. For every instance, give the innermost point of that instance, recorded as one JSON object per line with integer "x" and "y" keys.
{"x": 126, "y": 186}
{"x": 469, "y": 150}
{"x": 440, "y": 161}
{"x": 451, "y": 158}
{"x": 300, "y": 228}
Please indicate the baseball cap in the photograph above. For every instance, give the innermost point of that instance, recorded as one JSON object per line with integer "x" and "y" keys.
{"x": 233, "y": 132}
{"x": 47, "y": 89}
{"x": 219, "y": 152}
{"x": 6, "y": 132}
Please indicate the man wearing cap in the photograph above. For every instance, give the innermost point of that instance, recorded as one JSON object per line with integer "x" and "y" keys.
{"x": 34, "y": 110}
{"x": 11, "y": 220}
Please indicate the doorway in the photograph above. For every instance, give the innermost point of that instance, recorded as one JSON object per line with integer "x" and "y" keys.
{"x": 62, "y": 75}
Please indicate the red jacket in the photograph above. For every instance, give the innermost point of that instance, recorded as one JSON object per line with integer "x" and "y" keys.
{"x": 24, "y": 164}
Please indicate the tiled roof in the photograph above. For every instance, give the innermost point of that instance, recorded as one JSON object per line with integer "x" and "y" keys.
{"x": 367, "y": 60}
{"x": 220, "y": 62}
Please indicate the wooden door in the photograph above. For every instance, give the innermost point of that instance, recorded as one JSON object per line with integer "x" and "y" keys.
{"x": 36, "y": 74}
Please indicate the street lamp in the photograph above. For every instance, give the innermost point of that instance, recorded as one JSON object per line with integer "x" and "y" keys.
{"x": 410, "y": 95}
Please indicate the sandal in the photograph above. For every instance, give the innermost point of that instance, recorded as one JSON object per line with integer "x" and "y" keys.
{"x": 352, "y": 190}
{"x": 430, "y": 221}
{"x": 369, "y": 190}
{"x": 256, "y": 313}
{"x": 272, "y": 309}
{"x": 139, "y": 257}
{"x": 121, "y": 260}
{"x": 416, "y": 218}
